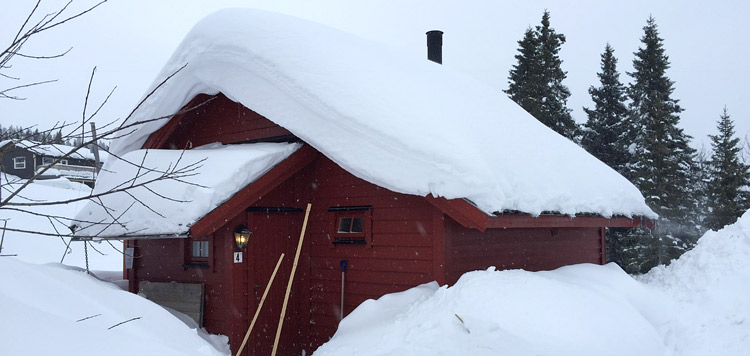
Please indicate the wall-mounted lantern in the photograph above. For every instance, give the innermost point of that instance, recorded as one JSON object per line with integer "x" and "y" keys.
{"x": 241, "y": 237}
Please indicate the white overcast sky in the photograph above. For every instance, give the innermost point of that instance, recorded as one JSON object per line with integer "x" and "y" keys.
{"x": 129, "y": 41}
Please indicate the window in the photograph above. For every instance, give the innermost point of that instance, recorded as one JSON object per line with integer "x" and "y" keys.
{"x": 199, "y": 249}
{"x": 354, "y": 224}
{"x": 351, "y": 225}
{"x": 19, "y": 163}
{"x": 198, "y": 252}
{"x": 50, "y": 160}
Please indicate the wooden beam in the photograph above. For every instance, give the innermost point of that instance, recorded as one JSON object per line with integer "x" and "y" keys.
{"x": 466, "y": 214}
{"x": 254, "y": 191}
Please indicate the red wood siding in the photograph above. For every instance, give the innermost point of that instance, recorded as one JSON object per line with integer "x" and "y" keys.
{"x": 400, "y": 256}
{"x": 162, "y": 261}
{"x": 531, "y": 249}
{"x": 220, "y": 120}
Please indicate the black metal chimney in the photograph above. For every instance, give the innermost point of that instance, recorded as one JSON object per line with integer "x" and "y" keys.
{"x": 435, "y": 46}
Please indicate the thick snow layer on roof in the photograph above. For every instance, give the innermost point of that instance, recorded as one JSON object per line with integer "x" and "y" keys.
{"x": 65, "y": 171}
{"x": 55, "y": 150}
{"x": 197, "y": 181}
{"x": 402, "y": 123}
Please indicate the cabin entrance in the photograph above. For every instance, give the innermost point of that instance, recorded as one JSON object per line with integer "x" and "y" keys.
{"x": 275, "y": 231}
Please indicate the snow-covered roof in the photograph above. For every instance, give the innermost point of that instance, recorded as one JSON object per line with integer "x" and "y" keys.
{"x": 402, "y": 123}
{"x": 197, "y": 181}
{"x": 55, "y": 150}
{"x": 65, "y": 171}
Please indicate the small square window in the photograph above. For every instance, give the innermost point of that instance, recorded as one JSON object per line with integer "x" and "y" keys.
{"x": 47, "y": 160}
{"x": 64, "y": 162}
{"x": 199, "y": 249}
{"x": 198, "y": 252}
{"x": 19, "y": 163}
{"x": 351, "y": 225}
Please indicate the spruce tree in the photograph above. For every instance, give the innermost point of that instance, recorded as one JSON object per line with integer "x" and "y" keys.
{"x": 727, "y": 197}
{"x": 604, "y": 131}
{"x": 662, "y": 161}
{"x": 58, "y": 138}
{"x": 604, "y": 136}
{"x": 535, "y": 82}
{"x": 524, "y": 80}
{"x": 701, "y": 178}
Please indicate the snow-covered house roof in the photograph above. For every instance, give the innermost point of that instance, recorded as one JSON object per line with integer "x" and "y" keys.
{"x": 162, "y": 192}
{"x": 56, "y": 150}
{"x": 402, "y": 123}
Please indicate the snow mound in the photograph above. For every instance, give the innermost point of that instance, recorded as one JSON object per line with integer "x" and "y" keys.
{"x": 711, "y": 285}
{"x": 50, "y": 310}
{"x": 202, "y": 179}
{"x": 371, "y": 108}
{"x": 577, "y": 310}
{"x": 36, "y": 248}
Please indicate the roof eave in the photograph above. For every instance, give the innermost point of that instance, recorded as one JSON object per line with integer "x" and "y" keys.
{"x": 251, "y": 193}
{"x": 178, "y": 235}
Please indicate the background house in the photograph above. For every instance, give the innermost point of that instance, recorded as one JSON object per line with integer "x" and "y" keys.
{"x": 28, "y": 157}
{"x": 414, "y": 174}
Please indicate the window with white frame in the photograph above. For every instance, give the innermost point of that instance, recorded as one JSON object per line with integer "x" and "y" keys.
{"x": 19, "y": 163}
{"x": 50, "y": 160}
{"x": 198, "y": 252}
{"x": 199, "y": 249}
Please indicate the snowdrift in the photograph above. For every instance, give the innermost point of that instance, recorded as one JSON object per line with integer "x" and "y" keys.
{"x": 54, "y": 310}
{"x": 576, "y": 310}
{"x": 711, "y": 289}
{"x": 43, "y": 249}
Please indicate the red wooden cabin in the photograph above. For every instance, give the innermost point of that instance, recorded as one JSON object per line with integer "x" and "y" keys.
{"x": 391, "y": 241}
{"x": 403, "y": 240}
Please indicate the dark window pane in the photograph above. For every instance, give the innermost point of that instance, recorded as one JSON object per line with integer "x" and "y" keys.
{"x": 345, "y": 225}
{"x": 358, "y": 225}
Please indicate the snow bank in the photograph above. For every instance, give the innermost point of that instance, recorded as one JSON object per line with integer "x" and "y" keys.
{"x": 36, "y": 248}
{"x": 711, "y": 287}
{"x": 205, "y": 177}
{"x": 51, "y": 310}
{"x": 402, "y": 123}
{"x": 577, "y": 310}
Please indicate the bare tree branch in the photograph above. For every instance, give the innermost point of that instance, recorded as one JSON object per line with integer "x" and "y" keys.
{"x": 29, "y": 30}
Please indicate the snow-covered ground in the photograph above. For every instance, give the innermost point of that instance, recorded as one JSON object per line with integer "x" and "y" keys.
{"x": 103, "y": 256}
{"x": 56, "y": 310}
{"x": 709, "y": 287}
{"x": 699, "y": 305}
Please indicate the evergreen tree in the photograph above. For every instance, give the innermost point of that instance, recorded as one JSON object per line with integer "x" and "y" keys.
{"x": 662, "y": 161}
{"x": 58, "y": 138}
{"x": 727, "y": 198}
{"x": 524, "y": 81}
{"x": 701, "y": 177}
{"x": 535, "y": 82}
{"x": 604, "y": 132}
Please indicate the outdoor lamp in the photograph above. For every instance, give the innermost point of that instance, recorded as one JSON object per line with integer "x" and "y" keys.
{"x": 241, "y": 237}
